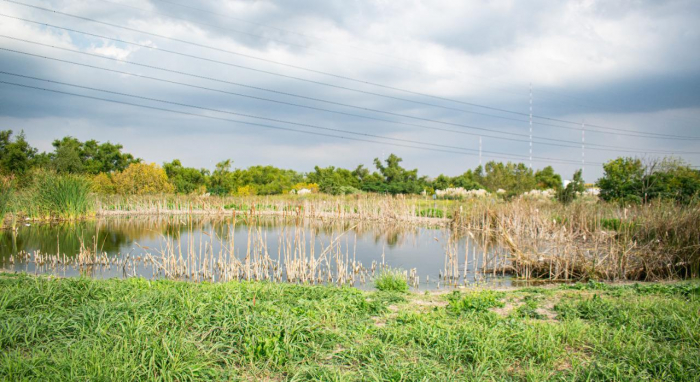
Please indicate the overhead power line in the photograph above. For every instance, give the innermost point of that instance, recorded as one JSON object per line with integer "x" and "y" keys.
{"x": 268, "y": 119}
{"x": 261, "y": 37}
{"x": 610, "y": 148}
{"x": 499, "y": 155}
{"x": 658, "y": 135}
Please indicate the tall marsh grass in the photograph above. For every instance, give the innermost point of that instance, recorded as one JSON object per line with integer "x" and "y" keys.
{"x": 6, "y": 191}
{"x": 55, "y": 196}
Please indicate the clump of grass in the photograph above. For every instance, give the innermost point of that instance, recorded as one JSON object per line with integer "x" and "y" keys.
{"x": 62, "y": 196}
{"x": 529, "y": 308}
{"x": 391, "y": 280}
{"x": 431, "y": 213}
{"x": 476, "y": 301}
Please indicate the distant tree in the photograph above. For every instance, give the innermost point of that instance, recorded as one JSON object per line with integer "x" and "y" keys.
{"x": 67, "y": 160}
{"x": 515, "y": 179}
{"x": 622, "y": 180}
{"x": 335, "y": 181}
{"x": 396, "y": 179}
{"x": 185, "y": 179}
{"x": 221, "y": 181}
{"x": 90, "y": 157}
{"x": 546, "y": 178}
{"x": 16, "y": 155}
{"x": 572, "y": 190}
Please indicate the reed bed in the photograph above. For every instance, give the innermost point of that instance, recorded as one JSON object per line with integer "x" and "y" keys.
{"x": 587, "y": 241}
{"x": 530, "y": 239}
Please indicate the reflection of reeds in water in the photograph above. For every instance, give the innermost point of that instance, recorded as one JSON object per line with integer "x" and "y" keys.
{"x": 206, "y": 250}
{"x": 213, "y": 257}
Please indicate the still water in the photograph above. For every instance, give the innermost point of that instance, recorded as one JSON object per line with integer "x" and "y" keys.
{"x": 220, "y": 249}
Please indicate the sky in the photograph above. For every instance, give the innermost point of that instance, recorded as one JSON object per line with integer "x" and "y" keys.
{"x": 297, "y": 84}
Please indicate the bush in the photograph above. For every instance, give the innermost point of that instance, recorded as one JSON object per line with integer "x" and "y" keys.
{"x": 248, "y": 190}
{"x": 103, "y": 184}
{"x": 391, "y": 280}
{"x": 142, "y": 179}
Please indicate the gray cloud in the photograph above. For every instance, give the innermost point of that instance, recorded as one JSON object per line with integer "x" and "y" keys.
{"x": 628, "y": 65}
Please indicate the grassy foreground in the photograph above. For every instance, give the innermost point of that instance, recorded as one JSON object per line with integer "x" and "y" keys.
{"x": 82, "y": 329}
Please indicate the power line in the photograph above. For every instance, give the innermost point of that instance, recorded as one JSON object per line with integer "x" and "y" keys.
{"x": 613, "y": 148}
{"x": 658, "y": 135}
{"x": 661, "y": 136}
{"x": 280, "y": 29}
{"x": 258, "y": 36}
{"x": 544, "y": 160}
{"x": 264, "y": 118}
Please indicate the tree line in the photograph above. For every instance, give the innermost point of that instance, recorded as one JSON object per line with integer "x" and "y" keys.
{"x": 111, "y": 170}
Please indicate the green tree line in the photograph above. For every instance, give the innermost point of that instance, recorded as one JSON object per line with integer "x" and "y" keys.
{"x": 111, "y": 170}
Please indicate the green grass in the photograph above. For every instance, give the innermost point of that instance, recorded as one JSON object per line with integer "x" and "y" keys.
{"x": 391, "y": 280}
{"x": 54, "y": 196}
{"x": 135, "y": 330}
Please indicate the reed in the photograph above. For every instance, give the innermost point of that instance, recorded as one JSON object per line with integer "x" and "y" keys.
{"x": 6, "y": 191}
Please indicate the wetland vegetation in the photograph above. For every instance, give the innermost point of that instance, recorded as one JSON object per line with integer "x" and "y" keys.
{"x": 343, "y": 275}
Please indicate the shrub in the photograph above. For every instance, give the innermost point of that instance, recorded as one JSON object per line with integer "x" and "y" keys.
{"x": 313, "y": 187}
{"x": 142, "y": 179}
{"x": 248, "y": 190}
{"x": 103, "y": 184}
{"x": 391, "y": 280}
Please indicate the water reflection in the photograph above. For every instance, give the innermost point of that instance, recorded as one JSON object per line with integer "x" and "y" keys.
{"x": 363, "y": 246}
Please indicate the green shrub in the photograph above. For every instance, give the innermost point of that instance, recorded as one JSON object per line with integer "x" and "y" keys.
{"x": 391, "y": 280}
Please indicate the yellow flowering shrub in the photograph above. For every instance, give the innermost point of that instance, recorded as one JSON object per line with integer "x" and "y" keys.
{"x": 141, "y": 179}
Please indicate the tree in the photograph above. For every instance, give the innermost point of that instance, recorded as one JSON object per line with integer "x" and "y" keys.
{"x": 16, "y": 156}
{"x": 514, "y": 178}
{"x": 548, "y": 179}
{"x": 622, "y": 180}
{"x": 90, "y": 157}
{"x": 141, "y": 179}
{"x": 67, "y": 160}
{"x": 573, "y": 189}
{"x": 396, "y": 179}
{"x": 185, "y": 179}
{"x": 334, "y": 181}
{"x": 221, "y": 181}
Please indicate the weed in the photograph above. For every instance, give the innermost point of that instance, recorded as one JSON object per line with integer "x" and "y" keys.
{"x": 391, "y": 280}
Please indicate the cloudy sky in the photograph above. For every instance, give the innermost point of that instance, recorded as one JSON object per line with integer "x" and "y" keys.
{"x": 329, "y": 82}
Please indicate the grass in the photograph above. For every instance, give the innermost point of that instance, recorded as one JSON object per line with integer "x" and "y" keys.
{"x": 63, "y": 196}
{"x": 133, "y": 330}
{"x": 391, "y": 280}
{"x": 6, "y": 190}
{"x": 54, "y": 197}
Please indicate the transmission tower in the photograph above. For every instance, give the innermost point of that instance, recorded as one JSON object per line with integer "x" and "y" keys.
{"x": 583, "y": 148}
{"x": 531, "y": 126}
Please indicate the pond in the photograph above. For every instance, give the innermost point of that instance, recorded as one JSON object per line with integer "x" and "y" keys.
{"x": 222, "y": 249}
